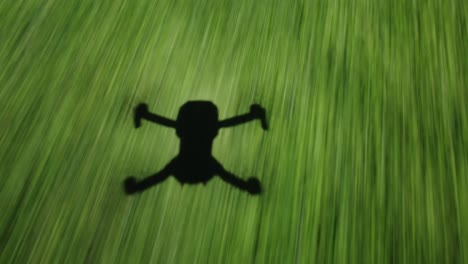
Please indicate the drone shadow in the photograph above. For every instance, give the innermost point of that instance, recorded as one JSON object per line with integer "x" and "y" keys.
{"x": 196, "y": 126}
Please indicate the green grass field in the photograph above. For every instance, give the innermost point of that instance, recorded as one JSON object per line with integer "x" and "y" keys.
{"x": 366, "y": 160}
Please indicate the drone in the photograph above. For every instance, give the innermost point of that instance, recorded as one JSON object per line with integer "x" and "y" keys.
{"x": 196, "y": 126}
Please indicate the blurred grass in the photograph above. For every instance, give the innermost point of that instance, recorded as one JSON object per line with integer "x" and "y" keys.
{"x": 366, "y": 160}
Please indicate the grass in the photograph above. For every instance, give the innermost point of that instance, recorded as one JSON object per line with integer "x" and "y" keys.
{"x": 366, "y": 160}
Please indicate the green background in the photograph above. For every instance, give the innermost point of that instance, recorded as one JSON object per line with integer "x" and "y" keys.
{"x": 366, "y": 160}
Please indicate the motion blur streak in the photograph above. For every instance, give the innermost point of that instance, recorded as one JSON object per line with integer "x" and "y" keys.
{"x": 366, "y": 159}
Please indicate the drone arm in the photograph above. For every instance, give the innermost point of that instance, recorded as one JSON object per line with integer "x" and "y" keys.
{"x": 256, "y": 112}
{"x": 237, "y": 120}
{"x": 159, "y": 120}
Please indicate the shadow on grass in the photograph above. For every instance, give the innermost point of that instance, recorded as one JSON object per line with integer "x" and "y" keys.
{"x": 197, "y": 125}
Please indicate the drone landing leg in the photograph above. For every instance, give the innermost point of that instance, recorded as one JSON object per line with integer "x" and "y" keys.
{"x": 252, "y": 185}
{"x": 131, "y": 185}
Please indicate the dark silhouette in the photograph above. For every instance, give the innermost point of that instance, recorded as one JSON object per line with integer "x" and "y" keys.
{"x": 197, "y": 126}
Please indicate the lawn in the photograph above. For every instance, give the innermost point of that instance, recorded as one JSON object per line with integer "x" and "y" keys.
{"x": 366, "y": 159}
